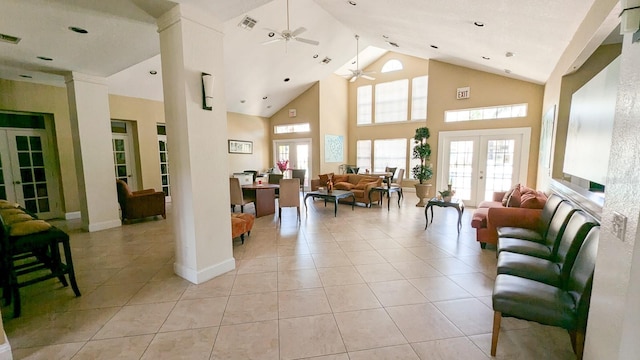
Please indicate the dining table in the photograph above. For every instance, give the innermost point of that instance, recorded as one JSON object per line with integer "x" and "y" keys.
{"x": 264, "y": 195}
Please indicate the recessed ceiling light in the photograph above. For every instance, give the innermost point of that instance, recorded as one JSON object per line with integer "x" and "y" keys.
{"x": 78, "y": 30}
{"x": 326, "y": 60}
{"x": 478, "y": 23}
{"x": 286, "y": 79}
{"x": 153, "y": 72}
{"x": 509, "y": 54}
{"x": 486, "y": 58}
{"x": 271, "y": 34}
{"x": 507, "y": 71}
{"x": 243, "y": 101}
{"x": 45, "y": 58}
{"x": 385, "y": 37}
{"x": 353, "y": 62}
{"x": 393, "y": 44}
{"x": 26, "y": 76}
{"x": 315, "y": 56}
{"x": 434, "y": 46}
{"x": 269, "y": 107}
{"x": 264, "y": 98}
{"x": 351, "y": 2}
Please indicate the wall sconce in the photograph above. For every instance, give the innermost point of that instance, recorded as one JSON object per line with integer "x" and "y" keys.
{"x": 207, "y": 91}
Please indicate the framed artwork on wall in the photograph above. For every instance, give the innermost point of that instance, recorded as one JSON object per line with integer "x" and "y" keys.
{"x": 240, "y": 147}
{"x": 333, "y": 148}
{"x": 546, "y": 136}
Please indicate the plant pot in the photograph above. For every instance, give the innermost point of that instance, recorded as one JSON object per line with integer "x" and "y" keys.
{"x": 422, "y": 192}
{"x": 446, "y": 198}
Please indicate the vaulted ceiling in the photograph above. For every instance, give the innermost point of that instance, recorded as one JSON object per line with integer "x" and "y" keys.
{"x": 515, "y": 38}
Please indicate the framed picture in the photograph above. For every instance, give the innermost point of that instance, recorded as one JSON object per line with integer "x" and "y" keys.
{"x": 240, "y": 147}
{"x": 546, "y": 137}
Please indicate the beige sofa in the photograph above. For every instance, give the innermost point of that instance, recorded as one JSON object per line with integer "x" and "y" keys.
{"x": 356, "y": 183}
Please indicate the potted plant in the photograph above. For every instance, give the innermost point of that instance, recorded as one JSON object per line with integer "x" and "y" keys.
{"x": 423, "y": 171}
{"x": 447, "y": 195}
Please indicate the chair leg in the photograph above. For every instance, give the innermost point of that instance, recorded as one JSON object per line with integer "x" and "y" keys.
{"x": 280, "y": 215}
{"x": 577, "y": 342}
{"x": 241, "y": 208}
{"x": 242, "y": 238}
{"x": 70, "y": 270}
{"x": 298, "y": 209}
{"x": 497, "y": 318}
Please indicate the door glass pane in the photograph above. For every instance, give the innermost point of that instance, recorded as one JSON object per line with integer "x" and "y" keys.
{"x": 36, "y": 143}
{"x": 164, "y": 165}
{"x": 499, "y": 174}
{"x": 118, "y": 145}
{"x": 22, "y": 144}
{"x": 120, "y": 159}
{"x": 302, "y": 160}
{"x": 461, "y": 168}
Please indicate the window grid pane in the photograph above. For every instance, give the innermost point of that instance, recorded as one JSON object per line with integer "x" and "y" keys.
{"x": 364, "y": 105}
{"x": 419, "y": 98}
{"x": 392, "y": 100}
{"x": 487, "y": 113}
{"x": 291, "y": 128}
{"x": 363, "y": 154}
{"x": 389, "y": 153}
{"x": 461, "y": 167}
{"x": 499, "y": 166}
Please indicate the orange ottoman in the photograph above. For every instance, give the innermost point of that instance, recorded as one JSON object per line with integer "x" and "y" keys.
{"x": 246, "y": 220}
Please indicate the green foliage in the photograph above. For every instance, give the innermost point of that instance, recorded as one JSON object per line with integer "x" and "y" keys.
{"x": 422, "y": 151}
{"x": 445, "y": 193}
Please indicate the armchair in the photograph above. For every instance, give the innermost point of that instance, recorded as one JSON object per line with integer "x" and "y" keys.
{"x": 140, "y": 204}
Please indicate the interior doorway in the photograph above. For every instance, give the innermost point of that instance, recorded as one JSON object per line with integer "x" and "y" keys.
{"x": 123, "y": 153}
{"x": 28, "y": 171}
{"x": 477, "y": 163}
{"x": 298, "y": 152}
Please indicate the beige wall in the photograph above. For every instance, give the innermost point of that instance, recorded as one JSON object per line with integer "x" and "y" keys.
{"x": 249, "y": 128}
{"x": 307, "y": 108}
{"x": 486, "y": 90}
{"x": 333, "y": 117}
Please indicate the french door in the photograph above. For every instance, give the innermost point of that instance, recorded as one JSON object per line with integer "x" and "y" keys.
{"x": 298, "y": 152}
{"x": 123, "y": 156}
{"x": 478, "y": 163}
{"x": 27, "y": 171}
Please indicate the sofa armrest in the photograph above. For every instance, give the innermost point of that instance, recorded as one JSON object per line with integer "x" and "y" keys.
{"x": 514, "y": 217}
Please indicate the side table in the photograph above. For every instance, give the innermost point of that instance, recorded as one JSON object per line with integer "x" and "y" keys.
{"x": 454, "y": 203}
{"x": 386, "y": 190}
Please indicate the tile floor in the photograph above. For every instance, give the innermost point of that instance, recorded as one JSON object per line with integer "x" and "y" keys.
{"x": 368, "y": 284}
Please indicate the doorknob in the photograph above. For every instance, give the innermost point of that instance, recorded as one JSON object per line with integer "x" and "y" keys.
{"x": 17, "y": 182}
{"x": 481, "y": 177}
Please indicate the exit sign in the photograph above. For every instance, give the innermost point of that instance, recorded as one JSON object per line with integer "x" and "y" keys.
{"x": 463, "y": 93}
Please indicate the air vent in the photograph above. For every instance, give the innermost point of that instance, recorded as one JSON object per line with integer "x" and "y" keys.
{"x": 393, "y": 44}
{"x": 247, "y": 23}
{"x": 325, "y": 61}
{"x": 10, "y": 39}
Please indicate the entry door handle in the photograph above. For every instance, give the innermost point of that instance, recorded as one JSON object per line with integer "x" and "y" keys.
{"x": 17, "y": 182}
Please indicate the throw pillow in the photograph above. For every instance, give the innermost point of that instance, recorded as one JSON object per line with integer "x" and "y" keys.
{"x": 535, "y": 200}
{"x": 362, "y": 184}
{"x": 343, "y": 185}
{"x": 29, "y": 227}
{"x": 515, "y": 198}
{"x": 340, "y": 178}
{"x": 505, "y": 198}
{"x": 4, "y": 204}
{"x": 324, "y": 178}
{"x": 7, "y": 212}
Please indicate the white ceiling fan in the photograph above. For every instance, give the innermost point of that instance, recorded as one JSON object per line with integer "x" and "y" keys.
{"x": 287, "y": 34}
{"x": 357, "y": 73}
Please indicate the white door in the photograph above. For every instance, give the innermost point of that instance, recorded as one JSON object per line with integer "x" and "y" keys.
{"x": 298, "y": 152}
{"x": 123, "y": 153}
{"x": 479, "y": 163}
{"x": 27, "y": 171}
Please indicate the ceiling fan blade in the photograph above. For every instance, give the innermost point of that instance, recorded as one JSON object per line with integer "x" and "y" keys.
{"x": 272, "y": 41}
{"x": 367, "y": 77}
{"x": 311, "y": 42}
{"x": 298, "y": 31}
{"x": 353, "y": 78}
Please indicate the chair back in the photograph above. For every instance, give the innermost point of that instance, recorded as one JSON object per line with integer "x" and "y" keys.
{"x": 548, "y": 210}
{"x": 299, "y": 174}
{"x": 559, "y": 222}
{"x": 235, "y": 191}
{"x": 123, "y": 192}
{"x": 566, "y": 250}
{"x": 275, "y": 178}
{"x": 391, "y": 170}
{"x": 352, "y": 169}
{"x": 289, "y": 193}
{"x": 252, "y": 172}
{"x": 397, "y": 182}
{"x": 581, "y": 275}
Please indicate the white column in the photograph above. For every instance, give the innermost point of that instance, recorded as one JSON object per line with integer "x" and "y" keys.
{"x": 5, "y": 347}
{"x": 191, "y": 44}
{"x": 88, "y": 98}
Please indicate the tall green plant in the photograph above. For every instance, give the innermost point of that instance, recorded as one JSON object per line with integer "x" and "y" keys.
{"x": 422, "y": 151}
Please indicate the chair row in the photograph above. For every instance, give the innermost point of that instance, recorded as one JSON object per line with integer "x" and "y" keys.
{"x": 546, "y": 275}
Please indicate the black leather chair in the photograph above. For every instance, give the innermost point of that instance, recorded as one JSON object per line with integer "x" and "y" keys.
{"x": 566, "y": 307}
{"x": 554, "y": 233}
{"x": 548, "y": 211}
{"x": 555, "y": 270}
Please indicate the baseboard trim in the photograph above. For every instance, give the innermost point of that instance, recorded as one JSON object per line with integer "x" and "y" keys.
{"x": 72, "y": 215}
{"x": 104, "y": 225}
{"x": 5, "y": 349}
{"x": 198, "y": 277}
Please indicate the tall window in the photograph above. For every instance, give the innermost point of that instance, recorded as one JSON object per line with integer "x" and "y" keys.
{"x": 389, "y": 153}
{"x": 363, "y": 154}
{"x": 419, "y": 98}
{"x": 392, "y": 100}
{"x": 364, "y": 105}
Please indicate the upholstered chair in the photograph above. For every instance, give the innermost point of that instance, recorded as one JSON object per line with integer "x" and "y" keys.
{"x": 289, "y": 196}
{"x": 140, "y": 204}
{"x": 237, "y": 198}
{"x": 299, "y": 174}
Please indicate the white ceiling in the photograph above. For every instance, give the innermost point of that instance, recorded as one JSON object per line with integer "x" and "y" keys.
{"x": 123, "y": 45}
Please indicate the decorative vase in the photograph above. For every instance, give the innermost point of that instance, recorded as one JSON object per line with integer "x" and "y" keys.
{"x": 422, "y": 192}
